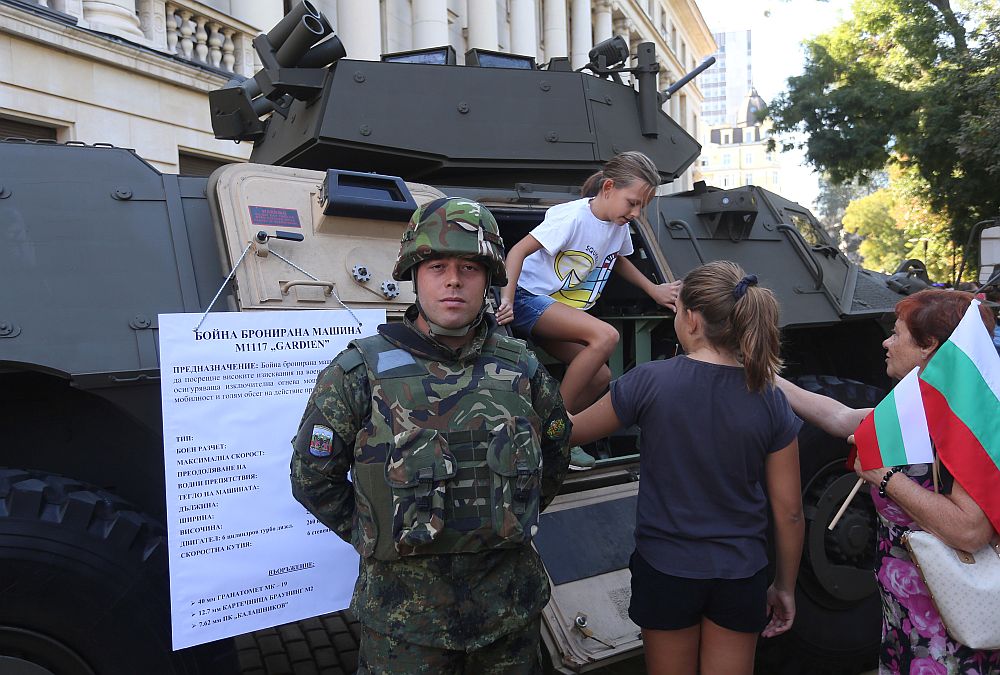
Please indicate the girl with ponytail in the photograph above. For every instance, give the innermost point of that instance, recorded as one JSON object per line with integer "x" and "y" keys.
{"x": 718, "y": 445}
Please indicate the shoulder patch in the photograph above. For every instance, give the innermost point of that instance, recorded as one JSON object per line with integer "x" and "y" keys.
{"x": 556, "y": 429}
{"x": 394, "y": 358}
{"x": 321, "y": 443}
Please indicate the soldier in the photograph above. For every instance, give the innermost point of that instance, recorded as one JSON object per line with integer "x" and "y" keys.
{"x": 455, "y": 438}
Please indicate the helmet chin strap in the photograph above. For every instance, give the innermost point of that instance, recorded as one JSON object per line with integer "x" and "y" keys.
{"x": 461, "y": 331}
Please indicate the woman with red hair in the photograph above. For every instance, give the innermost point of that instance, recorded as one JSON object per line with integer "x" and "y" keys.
{"x": 913, "y": 636}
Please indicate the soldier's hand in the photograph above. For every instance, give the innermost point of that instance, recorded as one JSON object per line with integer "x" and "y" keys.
{"x": 505, "y": 312}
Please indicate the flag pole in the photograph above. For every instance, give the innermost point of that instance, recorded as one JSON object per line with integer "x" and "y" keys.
{"x": 843, "y": 507}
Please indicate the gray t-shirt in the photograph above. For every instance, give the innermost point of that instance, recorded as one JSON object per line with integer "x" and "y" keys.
{"x": 702, "y": 510}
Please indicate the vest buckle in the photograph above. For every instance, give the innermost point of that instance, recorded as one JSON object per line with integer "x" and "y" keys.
{"x": 425, "y": 478}
{"x": 521, "y": 492}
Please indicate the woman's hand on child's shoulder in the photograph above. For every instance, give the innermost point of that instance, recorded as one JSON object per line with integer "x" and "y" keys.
{"x": 666, "y": 294}
{"x": 505, "y": 312}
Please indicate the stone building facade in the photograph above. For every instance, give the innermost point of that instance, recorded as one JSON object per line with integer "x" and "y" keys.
{"x": 737, "y": 154}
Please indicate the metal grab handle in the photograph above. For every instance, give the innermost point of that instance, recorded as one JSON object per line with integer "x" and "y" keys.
{"x": 801, "y": 247}
{"x": 326, "y": 285}
{"x": 681, "y": 225}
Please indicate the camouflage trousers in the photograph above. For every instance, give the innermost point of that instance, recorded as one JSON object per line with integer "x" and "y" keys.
{"x": 513, "y": 654}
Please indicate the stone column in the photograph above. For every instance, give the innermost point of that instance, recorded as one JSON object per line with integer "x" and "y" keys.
{"x": 71, "y": 7}
{"x": 523, "y": 27}
{"x": 483, "y": 29}
{"x": 582, "y": 31}
{"x": 602, "y": 20}
{"x": 555, "y": 29}
{"x": 117, "y": 17}
{"x": 359, "y": 26}
{"x": 430, "y": 23}
{"x": 153, "y": 22}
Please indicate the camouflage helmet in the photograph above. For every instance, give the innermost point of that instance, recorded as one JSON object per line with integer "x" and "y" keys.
{"x": 451, "y": 227}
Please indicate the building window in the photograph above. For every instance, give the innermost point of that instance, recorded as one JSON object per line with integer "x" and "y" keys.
{"x": 33, "y": 132}
{"x": 725, "y": 181}
{"x": 197, "y": 165}
{"x": 748, "y": 158}
{"x": 748, "y": 179}
{"x": 726, "y": 140}
{"x": 727, "y": 159}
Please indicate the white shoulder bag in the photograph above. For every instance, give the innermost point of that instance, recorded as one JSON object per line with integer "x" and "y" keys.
{"x": 965, "y": 587}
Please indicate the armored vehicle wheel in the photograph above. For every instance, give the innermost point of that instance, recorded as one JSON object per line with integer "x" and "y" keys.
{"x": 838, "y": 619}
{"x": 323, "y": 645}
{"x": 84, "y": 584}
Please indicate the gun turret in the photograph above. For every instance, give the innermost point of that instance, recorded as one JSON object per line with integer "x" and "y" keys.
{"x": 494, "y": 124}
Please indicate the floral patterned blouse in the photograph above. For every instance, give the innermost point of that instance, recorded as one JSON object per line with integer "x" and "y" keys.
{"x": 914, "y": 641}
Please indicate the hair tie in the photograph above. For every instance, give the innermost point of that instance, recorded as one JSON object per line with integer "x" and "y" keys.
{"x": 745, "y": 283}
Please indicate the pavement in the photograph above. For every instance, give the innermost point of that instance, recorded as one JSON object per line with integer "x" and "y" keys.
{"x": 636, "y": 666}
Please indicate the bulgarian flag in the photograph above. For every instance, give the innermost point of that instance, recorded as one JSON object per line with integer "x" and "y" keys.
{"x": 961, "y": 392}
{"x": 895, "y": 432}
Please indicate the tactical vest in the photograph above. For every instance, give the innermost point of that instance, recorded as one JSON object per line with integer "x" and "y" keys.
{"x": 449, "y": 460}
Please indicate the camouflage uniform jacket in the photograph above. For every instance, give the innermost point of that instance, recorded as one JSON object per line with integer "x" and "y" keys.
{"x": 451, "y": 600}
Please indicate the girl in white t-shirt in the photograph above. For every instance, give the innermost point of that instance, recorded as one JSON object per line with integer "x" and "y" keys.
{"x": 557, "y": 272}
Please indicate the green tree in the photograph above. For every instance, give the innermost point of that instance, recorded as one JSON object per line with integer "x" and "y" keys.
{"x": 883, "y": 240}
{"x": 927, "y": 230}
{"x": 832, "y": 202}
{"x": 911, "y": 83}
{"x": 895, "y": 224}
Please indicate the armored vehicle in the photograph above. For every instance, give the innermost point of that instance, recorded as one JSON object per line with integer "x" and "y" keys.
{"x": 96, "y": 243}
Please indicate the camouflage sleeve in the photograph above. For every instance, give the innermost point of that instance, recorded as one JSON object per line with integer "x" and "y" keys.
{"x": 323, "y": 447}
{"x": 555, "y": 432}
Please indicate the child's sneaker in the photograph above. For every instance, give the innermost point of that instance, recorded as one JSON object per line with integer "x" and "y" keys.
{"x": 580, "y": 460}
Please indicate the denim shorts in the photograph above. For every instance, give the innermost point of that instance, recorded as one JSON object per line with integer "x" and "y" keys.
{"x": 527, "y": 308}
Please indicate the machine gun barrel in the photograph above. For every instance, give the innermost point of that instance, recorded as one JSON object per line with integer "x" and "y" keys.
{"x": 672, "y": 89}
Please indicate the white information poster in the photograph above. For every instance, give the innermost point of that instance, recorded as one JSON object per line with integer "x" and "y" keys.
{"x": 244, "y": 555}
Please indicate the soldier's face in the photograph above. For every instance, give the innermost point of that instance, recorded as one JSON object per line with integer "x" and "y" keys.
{"x": 451, "y": 290}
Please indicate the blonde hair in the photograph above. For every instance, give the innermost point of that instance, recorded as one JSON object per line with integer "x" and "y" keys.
{"x": 624, "y": 169}
{"x": 742, "y": 321}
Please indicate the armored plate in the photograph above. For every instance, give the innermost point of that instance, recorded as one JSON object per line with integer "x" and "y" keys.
{"x": 340, "y": 259}
{"x": 585, "y": 539}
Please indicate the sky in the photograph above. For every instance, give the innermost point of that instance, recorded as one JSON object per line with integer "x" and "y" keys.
{"x": 778, "y": 29}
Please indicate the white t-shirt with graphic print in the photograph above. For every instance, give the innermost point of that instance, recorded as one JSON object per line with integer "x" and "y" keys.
{"x": 577, "y": 255}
